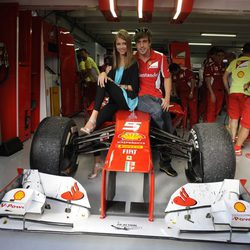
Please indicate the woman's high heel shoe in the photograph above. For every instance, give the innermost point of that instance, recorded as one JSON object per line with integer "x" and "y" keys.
{"x": 90, "y": 129}
{"x": 97, "y": 169}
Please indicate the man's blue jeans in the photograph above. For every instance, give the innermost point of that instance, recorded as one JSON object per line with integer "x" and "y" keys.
{"x": 152, "y": 105}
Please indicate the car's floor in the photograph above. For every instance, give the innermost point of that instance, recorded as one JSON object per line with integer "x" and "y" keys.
{"x": 129, "y": 185}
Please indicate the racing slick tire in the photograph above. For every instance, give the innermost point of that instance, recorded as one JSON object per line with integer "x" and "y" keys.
{"x": 52, "y": 149}
{"x": 212, "y": 158}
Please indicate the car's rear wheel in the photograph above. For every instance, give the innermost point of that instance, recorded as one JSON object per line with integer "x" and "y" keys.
{"x": 212, "y": 157}
{"x": 52, "y": 149}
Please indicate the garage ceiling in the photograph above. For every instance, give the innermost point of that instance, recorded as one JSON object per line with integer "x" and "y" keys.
{"x": 221, "y": 16}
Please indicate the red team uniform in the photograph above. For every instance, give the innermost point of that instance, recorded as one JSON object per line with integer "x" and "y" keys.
{"x": 182, "y": 80}
{"x": 149, "y": 74}
{"x": 215, "y": 71}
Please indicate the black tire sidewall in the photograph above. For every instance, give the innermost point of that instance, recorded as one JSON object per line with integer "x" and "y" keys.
{"x": 47, "y": 148}
{"x": 214, "y": 145}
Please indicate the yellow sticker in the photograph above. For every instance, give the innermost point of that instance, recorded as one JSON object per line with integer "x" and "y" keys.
{"x": 240, "y": 207}
{"x": 19, "y": 195}
{"x": 130, "y": 136}
{"x": 130, "y": 146}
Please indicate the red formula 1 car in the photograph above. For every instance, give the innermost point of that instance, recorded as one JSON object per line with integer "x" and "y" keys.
{"x": 55, "y": 148}
{"x": 208, "y": 151}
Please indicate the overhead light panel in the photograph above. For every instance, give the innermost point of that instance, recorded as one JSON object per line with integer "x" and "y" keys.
{"x": 129, "y": 32}
{"x": 109, "y": 9}
{"x": 178, "y": 9}
{"x": 201, "y": 44}
{"x": 182, "y": 10}
{"x": 145, "y": 10}
{"x": 140, "y": 5}
{"x": 217, "y": 34}
{"x": 112, "y": 8}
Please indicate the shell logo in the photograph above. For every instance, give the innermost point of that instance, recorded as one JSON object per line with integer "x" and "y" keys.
{"x": 130, "y": 136}
{"x": 19, "y": 195}
{"x": 240, "y": 207}
{"x": 240, "y": 74}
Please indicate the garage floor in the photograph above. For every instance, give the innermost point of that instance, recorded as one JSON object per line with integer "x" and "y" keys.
{"x": 165, "y": 186}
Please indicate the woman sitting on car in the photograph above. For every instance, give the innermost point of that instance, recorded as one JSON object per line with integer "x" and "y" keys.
{"x": 122, "y": 86}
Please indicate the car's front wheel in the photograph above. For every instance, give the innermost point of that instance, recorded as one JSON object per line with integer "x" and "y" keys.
{"x": 52, "y": 149}
{"x": 212, "y": 158}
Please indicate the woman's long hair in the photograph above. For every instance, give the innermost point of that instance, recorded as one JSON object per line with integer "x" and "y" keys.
{"x": 129, "y": 59}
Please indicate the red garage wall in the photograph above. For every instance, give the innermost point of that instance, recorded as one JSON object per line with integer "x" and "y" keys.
{"x": 70, "y": 86}
{"x": 36, "y": 72}
{"x": 8, "y": 89}
{"x": 25, "y": 32}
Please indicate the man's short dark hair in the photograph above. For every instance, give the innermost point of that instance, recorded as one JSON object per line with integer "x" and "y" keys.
{"x": 246, "y": 48}
{"x": 83, "y": 49}
{"x": 142, "y": 33}
{"x": 213, "y": 51}
{"x": 174, "y": 68}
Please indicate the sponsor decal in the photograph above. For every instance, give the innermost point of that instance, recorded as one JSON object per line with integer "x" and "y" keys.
{"x": 74, "y": 194}
{"x": 19, "y": 195}
{"x": 129, "y": 152}
{"x": 131, "y": 142}
{"x": 240, "y": 74}
{"x": 244, "y": 219}
{"x": 11, "y": 206}
{"x": 184, "y": 199}
{"x": 153, "y": 65}
{"x": 242, "y": 64}
{"x": 194, "y": 140}
{"x": 239, "y": 207}
{"x": 131, "y": 136}
{"x": 132, "y": 126}
{"x": 129, "y": 166}
{"x": 129, "y": 157}
{"x": 148, "y": 75}
{"x": 126, "y": 226}
{"x": 131, "y": 146}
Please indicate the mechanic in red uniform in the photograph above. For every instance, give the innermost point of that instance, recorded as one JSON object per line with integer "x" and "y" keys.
{"x": 184, "y": 82}
{"x": 213, "y": 73}
{"x": 202, "y": 100}
{"x": 153, "y": 65}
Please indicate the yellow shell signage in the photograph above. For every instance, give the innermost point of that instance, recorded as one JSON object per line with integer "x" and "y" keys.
{"x": 19, "y": 195}
{"x": 240, "y": 74}
{"x": 131, "y": 136}
{"x": 240, "y": 207}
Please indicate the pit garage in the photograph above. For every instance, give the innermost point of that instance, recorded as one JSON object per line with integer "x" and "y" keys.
{"x": 130, "y": 204}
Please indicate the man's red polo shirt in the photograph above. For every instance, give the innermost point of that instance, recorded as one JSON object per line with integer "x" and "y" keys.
{"x": 149, "y": 73}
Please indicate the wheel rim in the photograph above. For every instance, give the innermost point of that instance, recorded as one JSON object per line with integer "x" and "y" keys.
{"x": 194, "y": 171}
{"x": 69, "y": 156}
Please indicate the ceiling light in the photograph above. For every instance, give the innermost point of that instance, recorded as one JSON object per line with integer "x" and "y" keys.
{"x": 217, "y": 34}
{"x": 112, "y": 8}
{"x": 140, "y": 7}
{"x": 178, "y": 9}
{"x": 201, "y": 44}
{"x": 182, "y": 10}
{"x": 109, "y": 9}
{"x": 129, "y": 32}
